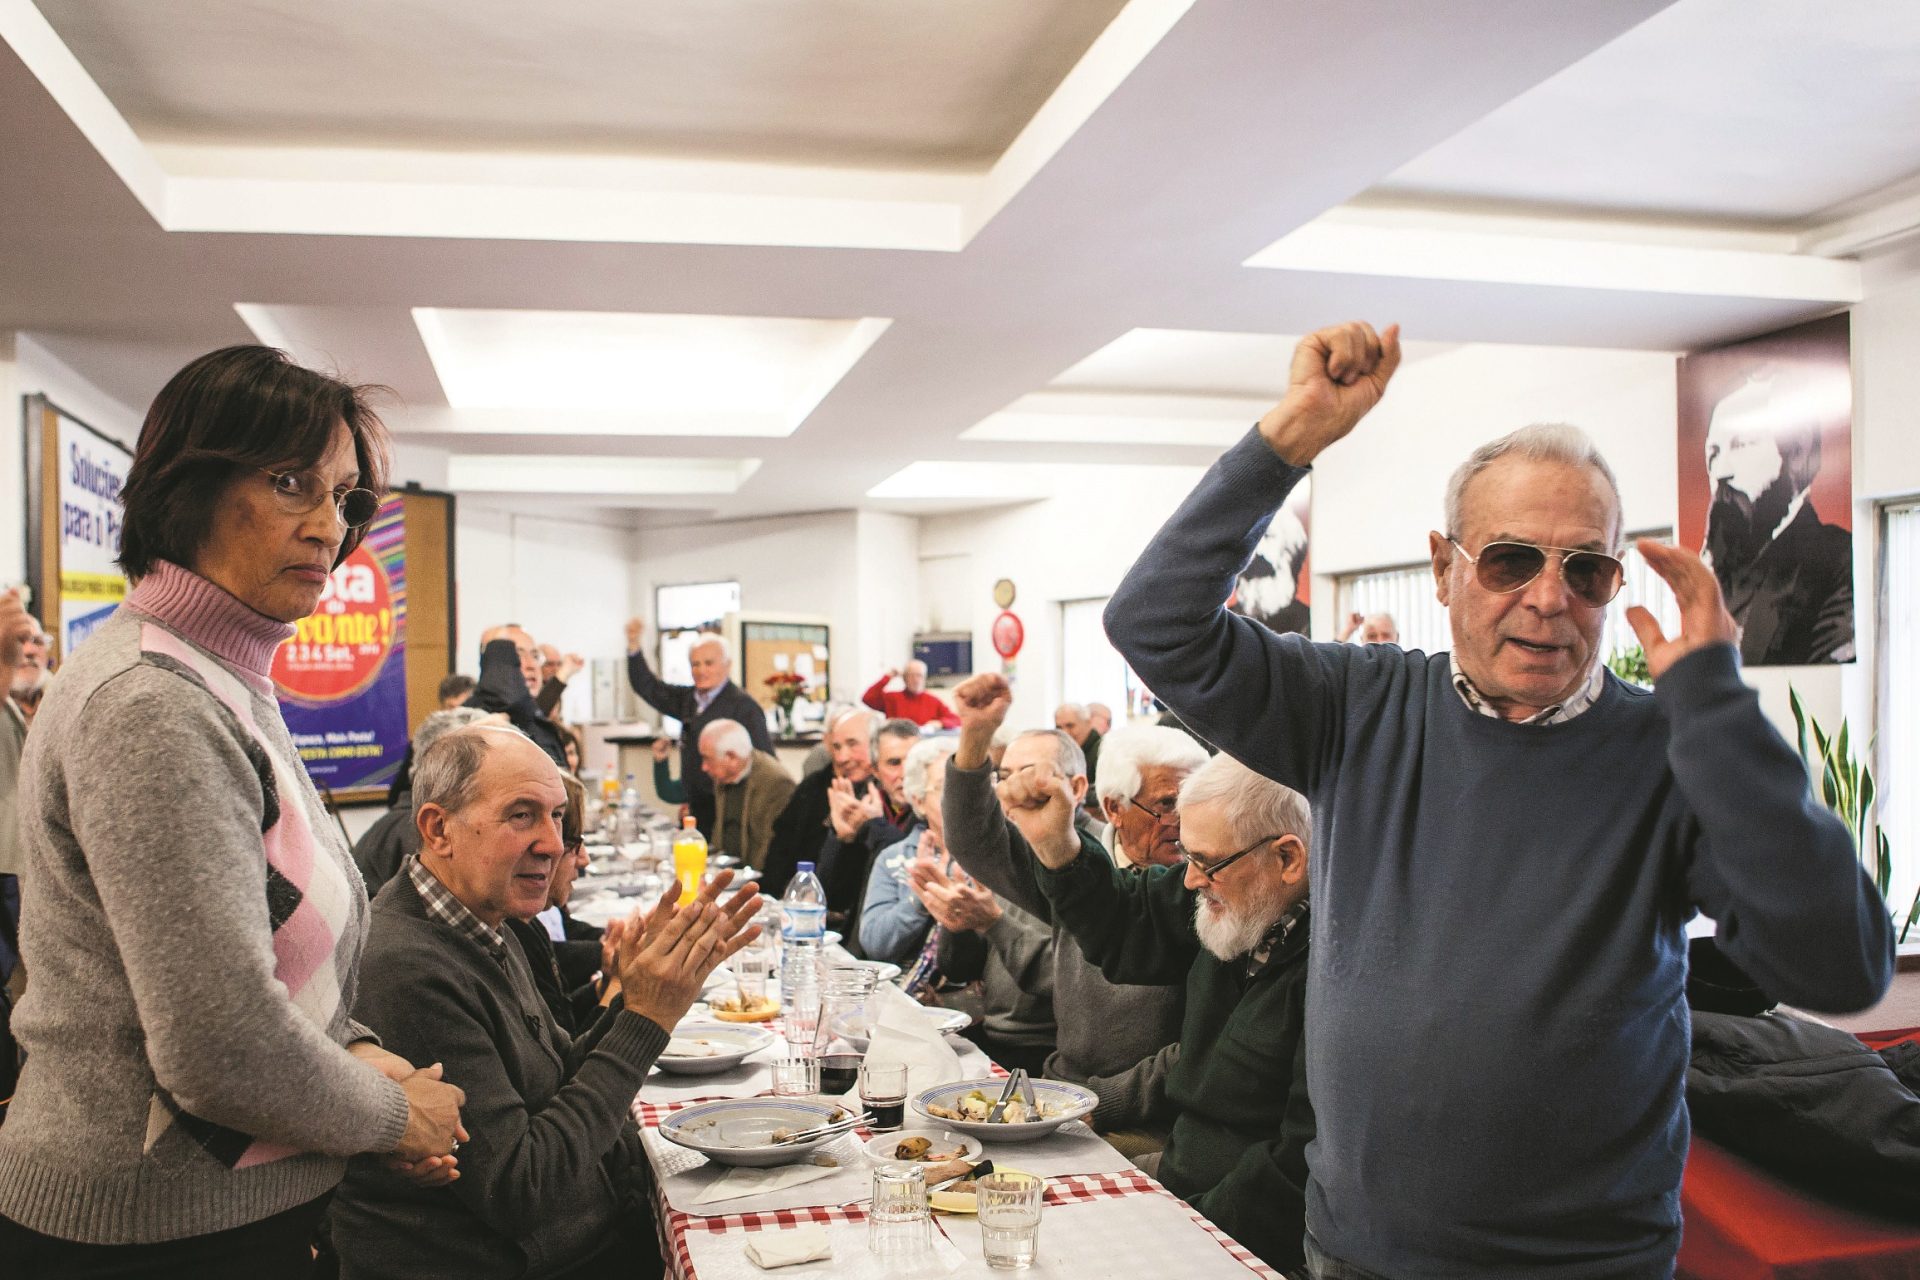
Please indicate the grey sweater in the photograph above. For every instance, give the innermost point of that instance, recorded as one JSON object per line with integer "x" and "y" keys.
{"x": 1120, "y": 1041}
{"x": 553, "y": 1166}
{"x": 1497, "y": 1024}
{"x": 193, "y": 925}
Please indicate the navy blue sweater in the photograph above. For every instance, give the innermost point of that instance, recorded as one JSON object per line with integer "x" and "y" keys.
{"x": 1497, "y": 1034}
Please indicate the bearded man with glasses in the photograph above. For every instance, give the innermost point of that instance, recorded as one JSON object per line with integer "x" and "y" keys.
{"x": 1230, "y": 921}
{"x": 1508, "y": 844}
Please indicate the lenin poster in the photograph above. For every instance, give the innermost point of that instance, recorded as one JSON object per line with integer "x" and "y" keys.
{"x": 342, "y": 677}
{"x": 1766, "y": 487}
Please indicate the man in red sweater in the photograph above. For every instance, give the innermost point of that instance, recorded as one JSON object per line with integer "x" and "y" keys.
{"x": 912, "y": 702}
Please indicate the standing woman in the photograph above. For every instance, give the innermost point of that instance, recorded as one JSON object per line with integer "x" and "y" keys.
{"x": 193, "y": 920}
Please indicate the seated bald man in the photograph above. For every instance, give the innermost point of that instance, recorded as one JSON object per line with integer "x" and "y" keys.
{"x": 552, "y": 1178}
{"x": 750, "y": 789}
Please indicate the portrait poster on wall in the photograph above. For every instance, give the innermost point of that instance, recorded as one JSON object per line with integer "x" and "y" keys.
{"x": 342, "y": 677}
{"x": 1766, "y": 487}
{"x": 1274, "y": 588}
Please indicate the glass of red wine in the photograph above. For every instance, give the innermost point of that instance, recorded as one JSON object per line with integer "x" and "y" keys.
{"x": 839, "y": 1072}
{"x": 883, "y": 1089}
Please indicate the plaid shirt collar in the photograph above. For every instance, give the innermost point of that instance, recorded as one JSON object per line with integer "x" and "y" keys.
{"x": 1588, "y": 694}
{"x": 1277, "y": 933}
{"x": 450, "y": 911}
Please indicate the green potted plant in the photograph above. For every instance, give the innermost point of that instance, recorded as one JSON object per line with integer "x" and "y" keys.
{"x": 1631, "y": 665}
{"x": 1845, "y": 785}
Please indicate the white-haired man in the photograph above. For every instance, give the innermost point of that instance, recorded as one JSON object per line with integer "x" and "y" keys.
{"x": 803, "y": 826}
{"x": 509, "y": 679}
{"x": 1100, "y": 716}
{"x": 712, "y": 696}
{"x": 1233, "y": 927}
{"x": 1372, "y": 628}
{"x": 1121, "y": 1041}
{"x": 910, "y": 701}
{"x": 1508, "y": 844}
{"x": 1073, "y": 719}
{"x": 894, "y": 922}
{"x": 750, "y": 788}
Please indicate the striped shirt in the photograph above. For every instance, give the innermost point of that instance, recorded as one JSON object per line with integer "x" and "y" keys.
{"x": 1559, "y": 713}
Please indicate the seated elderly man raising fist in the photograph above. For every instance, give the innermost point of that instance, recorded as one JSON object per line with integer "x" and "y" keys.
{"x": 1233, "y": 923}
{"x": 552, "y": 1179}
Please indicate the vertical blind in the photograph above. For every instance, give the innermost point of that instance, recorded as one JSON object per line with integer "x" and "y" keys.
{"x": 1407, "y": 594}
{"x": 1898, "y": 768}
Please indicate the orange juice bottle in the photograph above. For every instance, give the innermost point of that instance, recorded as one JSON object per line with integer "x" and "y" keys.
{"x": 689, "y": 859}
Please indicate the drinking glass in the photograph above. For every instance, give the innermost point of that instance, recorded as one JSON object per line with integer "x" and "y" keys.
{"x": 898, "y": 1223}
{"x": 751, "y": 967}
{"x": 1009, "y": 1215}
{"x": 883, "y": 1090}
{"x": 796, "y": 1076}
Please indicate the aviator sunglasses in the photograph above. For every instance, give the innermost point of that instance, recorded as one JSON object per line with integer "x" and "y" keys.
{"x": 1592, "y": 577}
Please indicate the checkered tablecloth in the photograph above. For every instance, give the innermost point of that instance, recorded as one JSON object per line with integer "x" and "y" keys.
{"x": 1164, "y": 1226}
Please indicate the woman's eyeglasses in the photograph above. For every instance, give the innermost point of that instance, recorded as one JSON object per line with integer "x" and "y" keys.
{"x": 1592, "y": 577}
{"x": 301, "y": 491}
{"x": 1212, "y": 869}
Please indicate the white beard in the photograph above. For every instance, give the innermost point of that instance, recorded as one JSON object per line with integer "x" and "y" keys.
{"x": 1226, "y": 933}
{"x": 28, "y": 685}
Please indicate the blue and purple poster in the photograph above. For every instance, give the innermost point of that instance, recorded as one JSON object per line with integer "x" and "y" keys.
{"x": 342, "y": 678}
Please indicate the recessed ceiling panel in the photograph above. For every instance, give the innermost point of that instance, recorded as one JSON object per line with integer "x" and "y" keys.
{"x": 1758, "y": 110}
{"x": 674, "y": 374}
{"x": 869, "y": 83}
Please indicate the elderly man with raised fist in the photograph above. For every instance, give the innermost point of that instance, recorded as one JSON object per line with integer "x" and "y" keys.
{"x": 1507, "y": 845}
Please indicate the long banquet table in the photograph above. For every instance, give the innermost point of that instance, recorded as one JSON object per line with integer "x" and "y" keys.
{"x": 1103, "y": 1216}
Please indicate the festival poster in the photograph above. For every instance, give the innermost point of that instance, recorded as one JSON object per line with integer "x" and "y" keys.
{"x": 342, "y": 678}
{"x": 93, "y": 470}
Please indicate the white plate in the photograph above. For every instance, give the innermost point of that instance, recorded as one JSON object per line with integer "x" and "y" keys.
{"x": 740, "y": 1131}
{"x": 1072, "y": 1102}
{"x": 735, "y": 1042}
{"x": 830, "y": 937}
{"x": 854, "y": 1029}
{"x": 880, "y": 1150}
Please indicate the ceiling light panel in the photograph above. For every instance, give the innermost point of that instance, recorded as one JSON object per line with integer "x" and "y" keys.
{"x": 603, "y": 475}
{"x": 663, "y": 374}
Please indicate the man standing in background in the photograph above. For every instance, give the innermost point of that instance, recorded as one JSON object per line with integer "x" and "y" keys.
{"x": 712, "y": 696}
{"x": 911, "y": 701}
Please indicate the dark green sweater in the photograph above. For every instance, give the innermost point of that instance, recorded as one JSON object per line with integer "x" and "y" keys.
{"x": 1242, "y": 1119}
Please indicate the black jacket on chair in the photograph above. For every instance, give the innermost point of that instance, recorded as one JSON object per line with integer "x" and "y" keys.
{"x": 1811, "y": 1104}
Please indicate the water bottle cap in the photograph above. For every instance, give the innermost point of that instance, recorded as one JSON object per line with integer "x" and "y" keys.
{"x": 805, "y": 866}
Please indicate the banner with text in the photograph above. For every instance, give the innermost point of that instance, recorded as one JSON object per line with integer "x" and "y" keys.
{"x": 342, "y": 678}
{"x": 93, "y": 470}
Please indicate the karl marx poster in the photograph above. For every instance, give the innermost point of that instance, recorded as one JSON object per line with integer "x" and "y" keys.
{"x": 1273, "y": 589}
{"x": 1766, "y": 488}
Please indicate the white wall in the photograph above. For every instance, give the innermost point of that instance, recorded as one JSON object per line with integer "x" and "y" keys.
{"x": 806, "y": 565}
{"x": 568, "y": 582}
{"x": 1055, "y": 550}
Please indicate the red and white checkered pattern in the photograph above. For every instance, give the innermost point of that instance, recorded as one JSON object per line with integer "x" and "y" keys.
{"x": 674, "y": 1227}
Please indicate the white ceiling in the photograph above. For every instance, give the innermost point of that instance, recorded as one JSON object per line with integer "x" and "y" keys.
{"x": 860, "y": 82}
{"x": 1042, "y": 229}
{"x": 1769, "y": 111}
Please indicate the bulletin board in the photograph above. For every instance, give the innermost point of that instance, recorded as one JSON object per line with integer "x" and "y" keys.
{"x": 767, "y": 647}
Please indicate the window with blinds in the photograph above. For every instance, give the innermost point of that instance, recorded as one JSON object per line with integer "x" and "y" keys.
{"x": 1407, "y": 593}
{"x": 1897, "y": 769}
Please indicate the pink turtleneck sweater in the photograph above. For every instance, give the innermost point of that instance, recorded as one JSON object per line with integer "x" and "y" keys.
{"x": 193, "y": 922}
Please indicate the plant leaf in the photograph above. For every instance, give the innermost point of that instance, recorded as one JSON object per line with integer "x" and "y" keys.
{"x": 1799, "y": 718}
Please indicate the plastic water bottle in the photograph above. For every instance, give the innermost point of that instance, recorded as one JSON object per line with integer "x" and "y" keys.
{"x": 630, "y": 797}
{"x": 803, "y": 919}
{"x": 803, "y": 908}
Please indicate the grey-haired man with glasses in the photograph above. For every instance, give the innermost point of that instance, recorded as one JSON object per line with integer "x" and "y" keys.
{"x": 1508, "y": 844}
{"x": 1229, "y": 920}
